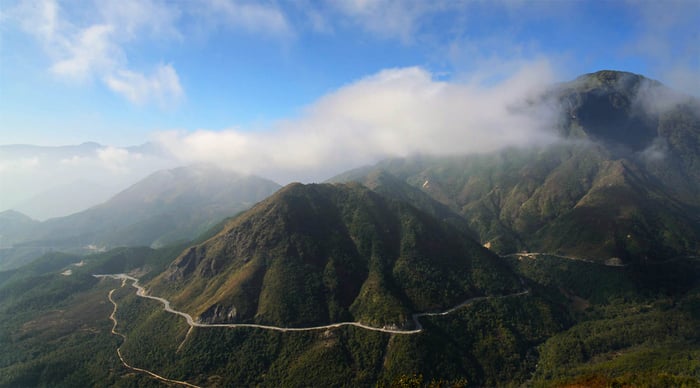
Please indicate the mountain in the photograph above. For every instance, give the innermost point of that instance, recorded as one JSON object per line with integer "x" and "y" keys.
{"x": 22, "y": 150}
{"x": 43, "y": 206}
{"x": 403, "y": 253}
{"x": 39, "y": 180}
{"x": 316, "y": 254}
{"x": 167, "y": 206}
{"x": 320, "y": 254}
{"x": 13, "y": 224}
{"x": 621, "y": 185}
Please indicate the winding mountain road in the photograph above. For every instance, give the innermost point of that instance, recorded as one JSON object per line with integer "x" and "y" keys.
{"x": 119, "y": 349}
{"x": 141, "y": 291}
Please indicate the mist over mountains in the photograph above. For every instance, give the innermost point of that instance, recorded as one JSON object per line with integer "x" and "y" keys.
{"x": 604, "y": 137}
{"x": 567, "y": 255}
{"x": 356, "y": 125}
{"x": 623, "y": 171}
{"x": 165, "y": 207}
{"x": 52, "y": 181}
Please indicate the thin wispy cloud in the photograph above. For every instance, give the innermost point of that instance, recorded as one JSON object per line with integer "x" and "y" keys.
{"x": 94, "y": 44}
{"x": 96, "y": 50}
{"x": 117, "y": 159}
{"x": 662, "y": 24}
{"x": 90, "y": 52}
{"x": 249, "y": 16}
{"x": 389, "y": 18}
{"x": 162, "y": 86}
{"x": 22, "y": 165}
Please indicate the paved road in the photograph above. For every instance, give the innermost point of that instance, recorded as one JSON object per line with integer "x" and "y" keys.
{"x": 140, "y": 291}
{"x": 121, "y": 357}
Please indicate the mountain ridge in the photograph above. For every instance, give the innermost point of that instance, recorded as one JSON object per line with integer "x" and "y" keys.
{"x": 165, "y": 207}
{"x": 611, "y": 195}
{"x": 397, "y": 239}
{"x": 344, "y": 248}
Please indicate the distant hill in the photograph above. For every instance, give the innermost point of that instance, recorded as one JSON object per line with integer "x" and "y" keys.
{"x": 21, "y": 150}
{"x": 328, "y": 253}
{"x": 56, "y": 181}
{"x": 73, "y": 197}
{"x": 623, "y": 182}
{"x": 14, "y": 224}
{"x": 167, "y": 206}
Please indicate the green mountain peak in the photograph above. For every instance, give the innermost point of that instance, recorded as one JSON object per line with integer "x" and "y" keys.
{"x": 318, "y": 254}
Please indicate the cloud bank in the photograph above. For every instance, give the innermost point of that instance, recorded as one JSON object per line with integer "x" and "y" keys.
{"x": 396, "y": 112}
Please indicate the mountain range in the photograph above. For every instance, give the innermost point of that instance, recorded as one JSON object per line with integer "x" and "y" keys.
{"x": 568, "y": 264}
{"x": 320, "y": 254}
{"x": 165, "y": 207}
{"x": 41, "y": 181}
{"x": 623, "y": 182}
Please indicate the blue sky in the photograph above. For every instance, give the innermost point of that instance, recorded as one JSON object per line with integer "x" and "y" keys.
{"x": 249, "y": 64}
{"x": 302, "y": 89}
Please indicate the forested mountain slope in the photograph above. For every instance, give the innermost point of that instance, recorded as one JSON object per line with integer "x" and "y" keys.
{"x": 328, "y": 253}
{"x": 622, "y": 182}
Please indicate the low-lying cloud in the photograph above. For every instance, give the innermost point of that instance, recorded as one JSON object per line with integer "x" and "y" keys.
{"x": 396, "y": 112}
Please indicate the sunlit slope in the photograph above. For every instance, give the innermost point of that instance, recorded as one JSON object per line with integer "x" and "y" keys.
{"x": 314, "y": 254}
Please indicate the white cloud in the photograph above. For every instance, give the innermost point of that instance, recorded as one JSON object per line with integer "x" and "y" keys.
{"x": 91, "y": 41}
{"x": 674, "y": 59}
{"x": 397, "y": 112}
{"x": 390, "y": 18}
{"x": 19, "y": 166}
{"x": 74, "y": 160}
{"x": 116, "y": 159}
{"x": 684, "y": 78}
{"x": 91, "y": 51}
{"x": 138, "y": 17}
{"x": 96, "y": 50}
{"x": 162, "y": 86}
{"x": 41, "y": 18}
{"x": 249, "y": 16}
